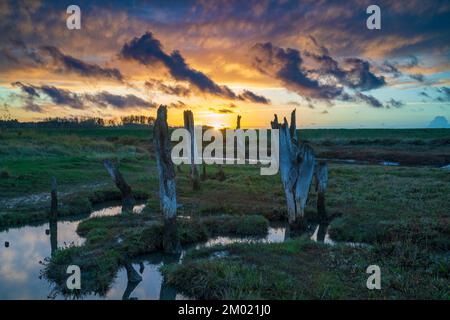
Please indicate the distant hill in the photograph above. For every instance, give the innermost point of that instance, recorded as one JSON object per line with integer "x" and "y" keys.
{"x": 439, "y": 122}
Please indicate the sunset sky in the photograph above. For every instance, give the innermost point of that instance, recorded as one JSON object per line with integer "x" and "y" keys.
{"x": 224, "y": 58}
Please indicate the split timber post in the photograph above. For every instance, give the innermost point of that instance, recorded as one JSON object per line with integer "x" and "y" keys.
{"x": 321, "y": 175}
{"x": 127, "y": 195}
{"x": 167, "y": 184}
{"x": 54, "y": 199}
{"x": 297, "y": 162}
{"x": 189, "y": 126}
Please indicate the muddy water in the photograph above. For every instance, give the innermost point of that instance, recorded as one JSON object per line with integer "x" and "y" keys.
{"x": 28, "y": 246}
{"x": 20, "y": 262}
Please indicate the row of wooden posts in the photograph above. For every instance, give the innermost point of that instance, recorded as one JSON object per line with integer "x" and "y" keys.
{"x": 297, "y": 165}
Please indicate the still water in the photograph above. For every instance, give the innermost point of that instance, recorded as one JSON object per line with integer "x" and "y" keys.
{"x": 28, "y": 246}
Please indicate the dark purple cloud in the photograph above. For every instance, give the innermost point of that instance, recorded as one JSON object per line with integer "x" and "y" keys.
{"x": 176, "y": 90}
{"x": 320, "y": 78}
{"x": 105, "y": 98}
{"x": 68, "y": 63}
{"x": 63, "y": 97}
{"x": 148, "y": 50}
{"x": 286, "y": 65}
{"x": 252, "y": 97}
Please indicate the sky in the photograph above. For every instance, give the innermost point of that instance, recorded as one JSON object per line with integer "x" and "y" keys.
{"x": 221, "y": 59}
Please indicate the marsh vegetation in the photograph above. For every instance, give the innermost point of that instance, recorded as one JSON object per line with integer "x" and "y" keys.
{"x": 400, "y": 212}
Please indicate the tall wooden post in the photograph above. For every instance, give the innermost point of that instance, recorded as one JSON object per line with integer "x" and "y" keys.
{"x": 195, "y": 170}
{"x": 167, "y": 185}
{"x": 54, "y": 199}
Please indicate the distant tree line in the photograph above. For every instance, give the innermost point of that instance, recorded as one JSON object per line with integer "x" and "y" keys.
{"x": 81, "y": 122}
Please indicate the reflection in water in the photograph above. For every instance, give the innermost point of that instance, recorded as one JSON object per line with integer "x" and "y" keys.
{"x": 133, "y": 279}
{"x": 275, "y": 234}
{"x": 321, "y": 235}
{"x": 20, "y": 268}
{"x": 53, "y": 235}
{"x": 114, "y": 210}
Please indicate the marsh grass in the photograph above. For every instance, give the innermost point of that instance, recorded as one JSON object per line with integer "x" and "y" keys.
{"x": 402, "y": 212}
{"x": 113, "y": 241}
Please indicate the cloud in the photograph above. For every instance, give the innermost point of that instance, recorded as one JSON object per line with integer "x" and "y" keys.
{"x": 286, "y": 65}
{"x": 176, "y": 90}
{"x": 32, "y": 107}
{"x": 70, "y": 64}
{"x": 370, "y": 100}
{"x": 73, "y": 100}
{"x": 315, "y": 76}
{"x": 252, "y": 97}
{"x": 388, "y": 67}
{"x": 105, "y": 98}
{"x": 62, "y": 97}
{"x": 148, "y": 50}
{"x": 417, "y": 76}
{"x": 392, "y": 103}
{"x": 360, "y": 77}
{"x": 31, "y": 91}
{"x": 445, "y": 94}
{"x": 222, "y": 110}
{"x": 178, "y": 105}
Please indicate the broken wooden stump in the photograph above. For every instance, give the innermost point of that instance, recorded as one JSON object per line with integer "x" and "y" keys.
{"x": 195, "y": 171}
{"x": 167, "y": 184}
{"x": 204, "y": 175}
{"x": 220, "y": 175}
{"x": 297, "y": 162}
{"x": 54, "y": 199}
{"x": 127, "y": 194}
{"x": 321, "y": 177}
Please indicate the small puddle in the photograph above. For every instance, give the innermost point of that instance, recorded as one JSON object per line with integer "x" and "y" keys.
{"x": 104, "y": 211}
{"x": 20, "y": 267}
{"x": 275, "y": 234}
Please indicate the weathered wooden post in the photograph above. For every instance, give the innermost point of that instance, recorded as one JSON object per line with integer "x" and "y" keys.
{"x": 54, "y": 199}
{"x": 238, "y": 122}
{"x": 195, "y": 170}
{"x": 167, "y": 185}
{"x": 127, "y": 195}
{"x": 321, "y": 177}
{"x": 297, "y": 163}
{"x": 204, "y": 175}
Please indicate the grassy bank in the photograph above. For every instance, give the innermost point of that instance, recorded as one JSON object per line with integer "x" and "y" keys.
{"x": 112, "y": 241}
{"x": 301, "y": 269}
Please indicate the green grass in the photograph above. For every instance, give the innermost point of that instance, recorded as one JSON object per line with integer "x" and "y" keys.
{"x": 102, "y": 254}
{"x": 301, "y": 269}
{"x": 402, "y": 212}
